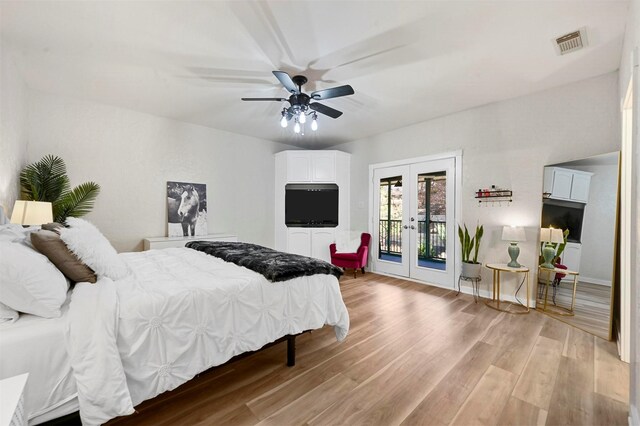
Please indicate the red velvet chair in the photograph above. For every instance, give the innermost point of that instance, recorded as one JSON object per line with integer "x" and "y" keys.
{"x": 357, "y": 260}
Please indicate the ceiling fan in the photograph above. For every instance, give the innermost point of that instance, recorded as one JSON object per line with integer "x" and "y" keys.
{"x": 301, "y": 104}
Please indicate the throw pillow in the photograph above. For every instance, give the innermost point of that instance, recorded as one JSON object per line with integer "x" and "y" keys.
{"x": 93, "y": 249}
{"x": 51, "y": 245}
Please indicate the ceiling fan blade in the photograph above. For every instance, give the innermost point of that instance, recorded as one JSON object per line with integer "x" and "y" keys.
{"x": 334, "y": 92}
{"x": 286, "y": 81}
{"x": 323, "y": 109}
{"x": 265, "y": 99}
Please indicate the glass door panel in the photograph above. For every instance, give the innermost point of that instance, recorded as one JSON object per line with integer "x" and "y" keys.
{"x": 391, "y": 249}
{"x": 432, "y": 220}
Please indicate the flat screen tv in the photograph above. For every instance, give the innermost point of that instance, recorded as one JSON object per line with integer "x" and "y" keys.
{"x": 564, "y": 216}
{"x": 311, "y": 205}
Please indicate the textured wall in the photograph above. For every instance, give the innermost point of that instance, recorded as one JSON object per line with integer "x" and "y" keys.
{"x": 508, "y": 144}
{"x": 132, "y": 155}
{"x": 13, "y": 127}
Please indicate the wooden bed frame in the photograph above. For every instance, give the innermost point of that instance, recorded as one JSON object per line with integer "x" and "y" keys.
{"x": 74, "y": 418}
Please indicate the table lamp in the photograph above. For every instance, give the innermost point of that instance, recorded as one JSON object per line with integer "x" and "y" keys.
{"x": 32, "y": 212}
{"x": 513, "y": 234}
{"x": 550, "y": 236}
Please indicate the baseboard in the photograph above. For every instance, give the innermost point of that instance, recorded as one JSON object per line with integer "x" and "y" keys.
{"x": 597, "y": 281}
{"x": 466, "y": 289}
{"x": 634, "y": 416}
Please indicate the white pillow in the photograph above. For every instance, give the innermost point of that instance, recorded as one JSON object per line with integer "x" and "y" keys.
{"x": 17, "y": 233}
{"x": 7, "y": 314}
{"x": 29, "y": 283}
{"x": 347, "y": 242}
{"x": 92, "y": 248}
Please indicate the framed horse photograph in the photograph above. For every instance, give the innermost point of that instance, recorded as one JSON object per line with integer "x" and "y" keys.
{"x": 186, "y": 209}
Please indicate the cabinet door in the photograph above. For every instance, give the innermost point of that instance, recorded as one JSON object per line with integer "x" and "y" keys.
{"x": 320, "y": 241}
{"x": 299, "y": 241}
{"x": 571, "y": 258}
{"x": 299, "y": 167}
{"x": 562, "y": 184}
{"x": 323, "y": 167}
{"x": 580, "y": 188}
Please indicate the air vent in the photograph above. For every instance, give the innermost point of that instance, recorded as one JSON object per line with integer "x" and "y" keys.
{"x": 571, "y": 42}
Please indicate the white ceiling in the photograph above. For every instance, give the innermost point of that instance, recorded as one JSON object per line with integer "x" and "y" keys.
{"x": 408, "y": 61}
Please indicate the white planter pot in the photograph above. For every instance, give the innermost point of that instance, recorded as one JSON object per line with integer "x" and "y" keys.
{"x": 471, "y": 270}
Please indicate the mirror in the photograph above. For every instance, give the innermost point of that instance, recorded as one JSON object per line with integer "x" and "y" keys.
{"x": 581, "y": 197}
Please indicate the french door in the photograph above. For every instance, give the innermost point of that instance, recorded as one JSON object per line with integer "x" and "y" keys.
{"x": 414, "y": 218}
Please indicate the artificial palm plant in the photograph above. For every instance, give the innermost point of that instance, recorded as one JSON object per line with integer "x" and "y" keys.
{"x": 47, "y": 180}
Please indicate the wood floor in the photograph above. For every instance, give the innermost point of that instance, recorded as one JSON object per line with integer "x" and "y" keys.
{"x": 592, "y": 308}
{"x": 415, "y": 354}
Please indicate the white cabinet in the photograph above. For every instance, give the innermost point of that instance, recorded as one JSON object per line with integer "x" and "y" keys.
{"x": 321, "y": 239}
{"x": 312, "y": 242}
{"x": 170, "y": 242}
{"x": 298, "y": 166}
{"x": 571, "y": 258}
{"x": 299, "y": 241}
{"x": 311, "y": 166}
{"x": 566, "y": 184}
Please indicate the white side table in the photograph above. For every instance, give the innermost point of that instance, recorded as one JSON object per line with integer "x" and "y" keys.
{"x": 167, "y": 242}
{"x": 12, "y": 409}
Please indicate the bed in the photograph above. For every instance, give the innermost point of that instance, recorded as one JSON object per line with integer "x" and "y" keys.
{"x": 178, "y": 313}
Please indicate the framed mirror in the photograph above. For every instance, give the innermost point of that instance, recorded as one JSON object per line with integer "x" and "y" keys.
{"x": 581, "y": 198}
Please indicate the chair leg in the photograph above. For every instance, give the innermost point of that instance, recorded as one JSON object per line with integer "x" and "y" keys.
{"x": 354, "y": 272}
{"x": 363, "y": 270}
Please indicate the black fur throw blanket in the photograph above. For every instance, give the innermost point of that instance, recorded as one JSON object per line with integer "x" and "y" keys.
{"x": 274, "y": 265}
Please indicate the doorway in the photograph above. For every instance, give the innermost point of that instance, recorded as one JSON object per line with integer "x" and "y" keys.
{"x": 413, "y": 220}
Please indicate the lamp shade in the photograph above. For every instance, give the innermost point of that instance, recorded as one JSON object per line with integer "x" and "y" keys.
{"x": 513, "y": 233}
{"x": 32, "y": 212}
{"x": 551, "y": 235}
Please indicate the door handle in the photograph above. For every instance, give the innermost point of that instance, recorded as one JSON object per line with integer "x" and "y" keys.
{"x": 405, "y": 227}
{"x": 412, "y": 219}
{"x": 412, "y": 227}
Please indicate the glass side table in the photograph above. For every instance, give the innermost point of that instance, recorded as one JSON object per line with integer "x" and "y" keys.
{"x": 558, "y": 310}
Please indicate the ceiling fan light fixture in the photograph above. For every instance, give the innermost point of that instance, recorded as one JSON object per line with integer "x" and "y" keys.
{"x": 283, "y": 122}
{"x": 314, "y": 123}
{"x": 303, "y": 117}
{"x": 296, "y": 128}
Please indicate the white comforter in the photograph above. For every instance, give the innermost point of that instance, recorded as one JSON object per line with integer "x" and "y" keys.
{"x": 180, "y": 313}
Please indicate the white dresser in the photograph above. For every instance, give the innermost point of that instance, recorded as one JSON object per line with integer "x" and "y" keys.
{"x": 168, "y": 242}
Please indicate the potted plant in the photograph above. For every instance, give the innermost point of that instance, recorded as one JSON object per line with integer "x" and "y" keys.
{"x": 470, "y": 266}
{"x": 47, "y": 180}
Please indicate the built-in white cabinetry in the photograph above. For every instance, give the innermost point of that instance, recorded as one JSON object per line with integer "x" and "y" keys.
{"x": 311, "y": 167}
{"x": 299, "y": 241}
{"x": 571, "y": 258}
{"x": 566, "y": 184}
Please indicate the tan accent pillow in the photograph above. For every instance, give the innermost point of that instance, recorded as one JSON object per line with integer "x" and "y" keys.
{"x": 50, "y": 244}
{"x": 53, "y": 226}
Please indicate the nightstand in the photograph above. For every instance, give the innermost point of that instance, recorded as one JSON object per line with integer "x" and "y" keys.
{"x": 12, "y": 410}
{"x": 169, "y": 242}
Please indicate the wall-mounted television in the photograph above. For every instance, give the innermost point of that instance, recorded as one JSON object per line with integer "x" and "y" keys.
{"x": 564, "y": 215}
{"x": 311, "y": 205}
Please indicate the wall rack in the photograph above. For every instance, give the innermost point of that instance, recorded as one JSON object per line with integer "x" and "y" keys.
{"x": 494, "y": 196}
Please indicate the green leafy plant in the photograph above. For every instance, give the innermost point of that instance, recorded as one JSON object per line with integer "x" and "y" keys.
{"x": 470, "y": 244}
{"x": 47, "y": 180}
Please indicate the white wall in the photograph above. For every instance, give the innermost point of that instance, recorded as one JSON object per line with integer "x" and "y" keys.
{"x": 13, "y": 127}
{"x": 507, "y": 144}
{"x": 132, "y": 155}
{"x": 598, "y": 225}
{"x": 632, "y": 295}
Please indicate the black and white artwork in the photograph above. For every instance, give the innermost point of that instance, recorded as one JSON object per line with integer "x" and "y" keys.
{"x": 187, "y": 209}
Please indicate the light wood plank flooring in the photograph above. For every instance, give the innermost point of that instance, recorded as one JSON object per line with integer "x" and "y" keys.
{"x": 592, "y": 308}
{"x": 415, "y": 354}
